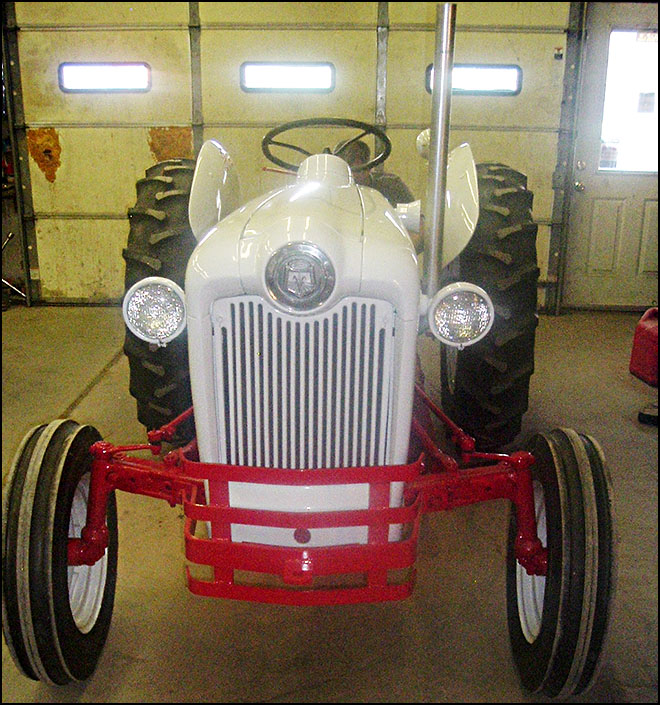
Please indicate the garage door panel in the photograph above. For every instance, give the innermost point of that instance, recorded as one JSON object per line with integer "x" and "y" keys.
{"x": 124, "y": 14}
{"x": 503, "y": 14}
{"x": 97, "y": 171}
{"x": 105, "y": 142}
{"x": 166, "y": 52}
{"x": 316, "y": 13}
{"x": 538, "y": 104}
{"x": 353, "y": 54}
{"x": 81, "y": 260}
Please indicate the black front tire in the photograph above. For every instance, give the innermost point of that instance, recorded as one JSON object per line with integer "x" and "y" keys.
{"x": 11, "y": 504}
{"x": 56, "y": 617}
{"x": 485, "y": 387}
{"x": 558, "y": 622}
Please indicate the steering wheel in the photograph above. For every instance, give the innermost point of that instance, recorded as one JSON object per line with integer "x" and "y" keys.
{"x": 367, "y": 129}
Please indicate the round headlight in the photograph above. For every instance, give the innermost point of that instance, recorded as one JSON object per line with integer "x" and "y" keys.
{"x": 300, "y": 276}
{"x": 154, "y": 310}
{"x": 460, "y": 314}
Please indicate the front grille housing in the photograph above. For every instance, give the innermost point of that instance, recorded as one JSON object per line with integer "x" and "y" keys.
{"x": 311, "y": 391}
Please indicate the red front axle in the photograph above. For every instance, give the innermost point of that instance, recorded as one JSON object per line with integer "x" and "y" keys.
{"x": 434, "y": 482}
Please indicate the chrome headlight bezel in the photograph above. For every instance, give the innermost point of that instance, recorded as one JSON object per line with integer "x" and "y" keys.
{"x": 300, "y": 277}
{"x": 164, "y": 294}
{"x": 471, "y": 294}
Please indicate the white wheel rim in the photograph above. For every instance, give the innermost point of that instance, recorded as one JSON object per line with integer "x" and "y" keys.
{"x": 86, "y": 583}
{"x": 531, "y": 588}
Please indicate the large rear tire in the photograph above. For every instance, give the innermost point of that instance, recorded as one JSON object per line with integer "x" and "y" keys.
{"x": 485, "y": 387}
{"x": 558, "y": 622}
{"x": 160, "y": 242}
{"x": 55, "y": 617}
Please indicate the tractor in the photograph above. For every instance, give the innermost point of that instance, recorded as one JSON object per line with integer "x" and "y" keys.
{"x": 273, "y": 356}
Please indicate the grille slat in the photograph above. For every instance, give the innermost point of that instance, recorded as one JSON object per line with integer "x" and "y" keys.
{"x": 303, "y": 392}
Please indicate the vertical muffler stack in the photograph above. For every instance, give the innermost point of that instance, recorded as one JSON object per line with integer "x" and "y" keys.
{"x": 434, "y": 210}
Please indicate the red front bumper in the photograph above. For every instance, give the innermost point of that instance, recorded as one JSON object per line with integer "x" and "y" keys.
{"x": 375, "y": 571}
{"x": 378, "y": 570}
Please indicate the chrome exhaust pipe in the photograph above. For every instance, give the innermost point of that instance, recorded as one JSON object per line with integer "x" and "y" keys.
{"x": 434, "y": 211}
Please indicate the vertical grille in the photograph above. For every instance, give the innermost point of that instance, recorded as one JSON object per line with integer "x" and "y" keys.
{"x": 303, "y": 392}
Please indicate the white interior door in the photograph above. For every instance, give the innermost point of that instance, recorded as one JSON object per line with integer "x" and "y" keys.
{"x": 612, "y": 252}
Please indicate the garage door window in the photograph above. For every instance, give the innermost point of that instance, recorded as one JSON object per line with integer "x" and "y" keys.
{"x": 287, "y": 77}
{"x": 104, "y": 77}
{"x": 482, "y": 79}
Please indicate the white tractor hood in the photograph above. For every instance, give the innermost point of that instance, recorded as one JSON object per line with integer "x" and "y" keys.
{"x": 355, "y": 227}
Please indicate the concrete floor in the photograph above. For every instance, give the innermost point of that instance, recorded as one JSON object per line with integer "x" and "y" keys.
{"x": 446, "y": 643}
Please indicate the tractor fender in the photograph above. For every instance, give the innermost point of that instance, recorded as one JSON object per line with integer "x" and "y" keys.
{"x": 215, "y": 190}
{"x": 461, "y": 205}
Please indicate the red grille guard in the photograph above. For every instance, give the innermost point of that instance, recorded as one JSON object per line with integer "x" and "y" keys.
{"x": 378, "y": 570}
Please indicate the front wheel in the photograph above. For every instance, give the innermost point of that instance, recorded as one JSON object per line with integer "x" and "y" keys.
{"x": 55, "y": 617}
{"x": 558, "y": 622}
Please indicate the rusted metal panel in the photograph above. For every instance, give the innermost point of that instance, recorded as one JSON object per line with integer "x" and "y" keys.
{"x": 44, "y": 147}
{"x": 81, "y": 220}
{"x": 97, "y": 174}
{"x": 86, "y": 151}
{"x": 171, "y": 143}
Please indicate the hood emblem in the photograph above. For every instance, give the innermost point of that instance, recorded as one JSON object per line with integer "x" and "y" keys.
{"x": 300, "y": 276}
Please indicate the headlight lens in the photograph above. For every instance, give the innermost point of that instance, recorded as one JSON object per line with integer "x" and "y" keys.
{"x": 460, "y": 314}
{"x": 300, "y": 276}
{"x": 154, "y": 310}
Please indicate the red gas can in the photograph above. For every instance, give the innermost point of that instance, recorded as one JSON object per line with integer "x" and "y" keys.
{"x": 644, "y": 358}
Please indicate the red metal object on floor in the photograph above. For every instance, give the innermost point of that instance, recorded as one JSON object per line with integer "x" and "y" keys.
{"x": 644, "y": 357}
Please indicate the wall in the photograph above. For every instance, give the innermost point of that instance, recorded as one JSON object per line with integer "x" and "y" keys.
{"x": 87, "y": 151}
